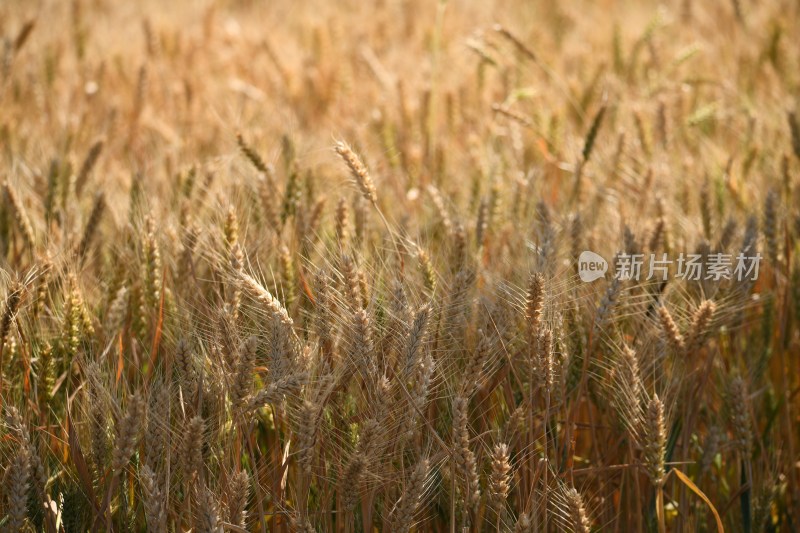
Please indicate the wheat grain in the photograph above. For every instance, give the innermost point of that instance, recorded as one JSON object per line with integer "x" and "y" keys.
{"x": 154, "y": 501}
{"x": 238, "y": 494}
{"x": 18, "y": 479}
{"x": 411, "y": 498}
{"x": 740, "y": 417}
{"x": 577, "y": 513}
{"x": 20, "y": 216}
{"x": 499, "y": 479}
{"x": 129, "y": 428}
{"x": 192, "y": 448}
{"x": 655, "y": 440}
{"x": 699, "y": 326}
{"x": 670, "y": 329}
{"x": 358, "y": 171}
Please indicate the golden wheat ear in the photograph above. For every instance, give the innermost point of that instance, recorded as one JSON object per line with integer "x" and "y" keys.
{"x": 21, "y": 217}
{"x": 577, "y": 512}
{"x": 358, "y": 171}
{"x": 654, "y": 437}
{"x": 499, "y": 478}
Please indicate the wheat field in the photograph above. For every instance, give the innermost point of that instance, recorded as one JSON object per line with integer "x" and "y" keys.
{"x": 399, "y": 265}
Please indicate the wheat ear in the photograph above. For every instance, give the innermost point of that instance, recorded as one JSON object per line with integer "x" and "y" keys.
{"x": 128, "y": 431}
{"x": 412, "y": 495}
{"x": 358, "y": 171}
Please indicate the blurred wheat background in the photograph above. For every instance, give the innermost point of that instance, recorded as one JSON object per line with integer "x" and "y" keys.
{"x": 313, "y": 266}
